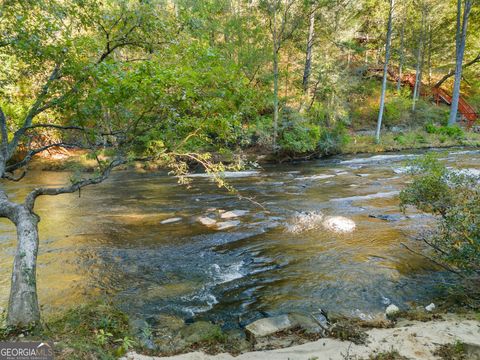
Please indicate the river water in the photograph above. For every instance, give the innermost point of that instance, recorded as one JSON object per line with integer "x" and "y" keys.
{"x": 110, "y": 242}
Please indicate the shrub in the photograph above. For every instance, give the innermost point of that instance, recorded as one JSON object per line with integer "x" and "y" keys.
{"x": 332, "y": 140}
{"x": 426, "y": 112}
{"x": 397, "y": 111}
{"x": 401, "y": 139}
{"x": 453, "y": 196}
{"x": 454, "y": 132}
{"x": 300, "y": 138}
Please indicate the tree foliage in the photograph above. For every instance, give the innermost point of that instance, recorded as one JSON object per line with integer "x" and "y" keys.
{"x": 453, "y": 196}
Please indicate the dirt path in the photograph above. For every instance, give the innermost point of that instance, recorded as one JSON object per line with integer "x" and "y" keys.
{"x": 414, "y": 340}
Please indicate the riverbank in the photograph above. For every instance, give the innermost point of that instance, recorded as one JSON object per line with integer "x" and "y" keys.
{"x": 451, "y": 338}
{"x": 358, "y": 143}
{"x": 100, "y": 330}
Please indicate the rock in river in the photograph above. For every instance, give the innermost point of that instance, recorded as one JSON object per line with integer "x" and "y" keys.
{"x": 233, "y": 214}
{"x": 227, "y": 224}
{"x": 339, "y": 224}
{"x": 388, "y": 217}
{"x": 200, "y": 331}
{"x": 204, "y": 220}
{"x": 171, "y": 220}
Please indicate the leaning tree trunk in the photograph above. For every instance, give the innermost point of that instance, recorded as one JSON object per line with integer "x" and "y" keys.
{"x": 23, "y": 309}
{"x": 385, "y": 71}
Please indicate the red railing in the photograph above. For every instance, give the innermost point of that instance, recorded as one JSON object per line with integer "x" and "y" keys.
{"x": 467, "y": 111}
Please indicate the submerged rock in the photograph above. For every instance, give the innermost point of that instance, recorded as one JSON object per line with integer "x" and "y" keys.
{"x": 308, "y": 323}
{"x": 388, "y": 217}
{"x": 170, "y": 322}
{"x": 233, "y": 214}
{"x": 200, "y": 331}
{"x": 303, "y": 221}
{"x": 227, "y": 224}
{"x": 171, "y": 220}
{"x": 339, "y": 224}
{"x": 228, "y": 174}
{"x": 204, "y": 220}
{"x": 379, "y": 195}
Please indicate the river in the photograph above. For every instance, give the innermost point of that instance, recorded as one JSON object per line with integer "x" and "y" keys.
{"x": 110, "y": 242}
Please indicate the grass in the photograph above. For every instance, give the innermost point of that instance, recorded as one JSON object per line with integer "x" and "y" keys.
{"x": 417, "y": 139}
{"x": 93, "y": 331}
{"x": 455, "y": 351}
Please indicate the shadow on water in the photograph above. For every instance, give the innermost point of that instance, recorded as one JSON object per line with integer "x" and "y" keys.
{"x": 110, "y": 241}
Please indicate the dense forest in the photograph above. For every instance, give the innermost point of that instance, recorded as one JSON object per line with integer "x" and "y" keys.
{"x": 292, "y": 76}
{"x": 222, "y": 84}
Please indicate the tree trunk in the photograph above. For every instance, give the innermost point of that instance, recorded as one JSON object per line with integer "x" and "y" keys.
{"x": 23, "y": 309}
{"x": 422, "y": 65}
{"x": 400, "y": 66}
{"x": 308, "y": 56}
{"x": 416, "y": 88}
{"x": 429, "y": 61}
{"x": 275, "y": 77}
{"x": 385, "y": 71}
{"x": 275, "y": 99}
{"x": 461, "y": 35}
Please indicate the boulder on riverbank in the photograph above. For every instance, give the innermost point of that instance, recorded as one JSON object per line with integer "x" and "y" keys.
{"x": 267, "y": 326}
{"x": 273, "y": 325}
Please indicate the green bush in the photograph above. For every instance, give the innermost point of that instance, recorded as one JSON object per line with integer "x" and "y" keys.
{"x": 454, "y": 197}
{"x": 397, "y": 111}
{"x": 332, "y": 140}
{"x": 401, "y": 139}
{"x": 427, "y": 112}
{"x": 299, "y": 138}
{"x": 454, "y": 132}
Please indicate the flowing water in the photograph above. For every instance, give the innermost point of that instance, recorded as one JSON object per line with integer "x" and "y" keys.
{"x": 110, "y": 242}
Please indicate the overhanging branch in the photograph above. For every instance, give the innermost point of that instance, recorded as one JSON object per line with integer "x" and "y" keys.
{"x": 33, "y": 195}
{"x": 34, "y": 152}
